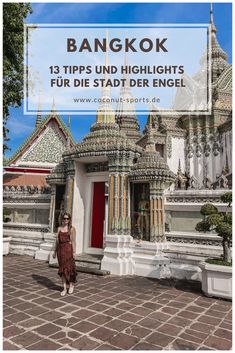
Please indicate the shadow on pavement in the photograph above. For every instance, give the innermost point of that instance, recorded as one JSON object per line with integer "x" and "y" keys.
{"x": 44, "y": 281}
{"x": 181, "y": 284}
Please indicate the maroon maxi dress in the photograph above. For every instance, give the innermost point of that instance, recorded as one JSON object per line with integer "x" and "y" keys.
{"x": 67, "y": 266}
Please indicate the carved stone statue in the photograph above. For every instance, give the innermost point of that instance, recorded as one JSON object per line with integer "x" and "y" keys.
{"x": 207, "y": 183}
{"x": 223, "y": 182}
{"x": 193, "y": 183}
{"x": 61, "y": 211}
{"x": 181, "y": 179}
{"x": 143, "y": 217}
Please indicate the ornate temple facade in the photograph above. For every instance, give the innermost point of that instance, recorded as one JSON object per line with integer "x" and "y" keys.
{"x": 134, "y": 197}
{"x": 26, "y": 194}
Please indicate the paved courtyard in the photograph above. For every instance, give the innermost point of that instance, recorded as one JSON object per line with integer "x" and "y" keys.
{"x": 108, "y": 313}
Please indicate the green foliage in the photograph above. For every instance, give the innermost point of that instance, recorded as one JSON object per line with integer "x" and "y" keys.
{"x": 221, "y": 222}
{"x": 227, "y": 198}
{"x": 13, "y": 46}
{"x": 202, "y": 226}
{"x": 224, "y": 229}
{"x": 208, "y": 209}
{"x": 220, "y": 262}
{"x": 214, "y": 219}
{"x": 6, "y": 214}
{"x": 228, "y": 218}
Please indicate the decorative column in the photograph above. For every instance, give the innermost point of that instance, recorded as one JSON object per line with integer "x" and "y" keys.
{"x": 52, "y": 208}
{"x": 127, "y": 215}
{"x": 69, "y": 190}
{"x": 114, "y": 229}
{"x": 117, "y": 253}
{"x": 190, "y": 150}
{"x": 207, "y": 156}
{"x": 121, "y": 203}
{"x": 111, "y": 203}
{"x": 119, "y": 210}
{"x": 157, "y": 216}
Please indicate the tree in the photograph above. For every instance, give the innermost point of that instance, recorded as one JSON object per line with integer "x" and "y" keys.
{"x": 14, "y": 15}
{"x": 220, "y": 222}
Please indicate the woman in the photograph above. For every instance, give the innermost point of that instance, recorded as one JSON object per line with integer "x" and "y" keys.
{"x": 65, "y": 250}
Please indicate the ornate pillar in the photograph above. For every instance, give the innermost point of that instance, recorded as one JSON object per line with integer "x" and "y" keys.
{"x": 190, "y": 150}
{"x": 69, "y": 189}
{"x": 52, "y": 208}
{"x": 157, "y": 214}
{"x": 115, "y": 205}
{"x": 69, "y": 193}
{"x": 119, "y": 210}
{"x": 127, "y": 215}
{"x": 207, "y": 155}
{"x": 121, "y": 202}
{"x": 111, "y": 203}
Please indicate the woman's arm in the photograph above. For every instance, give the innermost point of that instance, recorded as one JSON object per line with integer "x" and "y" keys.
{"x": 73, "y": 240}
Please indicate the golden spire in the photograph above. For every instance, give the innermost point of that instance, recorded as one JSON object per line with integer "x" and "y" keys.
{"x": 151, "y": 110}
{"x": 107, "y": 52}
{"x": 38, "y": 118}
{"x": 105, "y": 113}
{"x": 213, "y": 28}
{"x": 69, "y": 122}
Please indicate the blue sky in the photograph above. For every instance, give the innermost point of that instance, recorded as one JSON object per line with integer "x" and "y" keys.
{"x": 21, "y": 126}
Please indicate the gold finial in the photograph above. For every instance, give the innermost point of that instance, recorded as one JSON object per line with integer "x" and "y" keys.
{"x": 213, "y": 28}
{"x": 151, "y": 110}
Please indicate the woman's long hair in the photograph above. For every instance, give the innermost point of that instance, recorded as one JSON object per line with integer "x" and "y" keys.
{"x": 69, "y": 224}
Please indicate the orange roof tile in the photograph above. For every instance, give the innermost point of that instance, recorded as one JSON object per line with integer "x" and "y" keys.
{"x": 24, "y": 179}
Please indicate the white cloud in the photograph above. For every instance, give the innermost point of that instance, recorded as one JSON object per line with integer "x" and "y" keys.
{"x": 18, "y": 126}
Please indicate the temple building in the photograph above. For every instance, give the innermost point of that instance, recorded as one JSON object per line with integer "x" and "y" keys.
{"x": 134, "y": 197}
{"x": 27, "y": 195}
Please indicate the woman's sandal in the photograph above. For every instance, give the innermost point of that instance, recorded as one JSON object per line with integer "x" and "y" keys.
{"x": 71, "y": 289}
{"x": 63, "y": 293}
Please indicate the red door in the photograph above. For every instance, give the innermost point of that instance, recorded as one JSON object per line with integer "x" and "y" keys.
{"x": 98, "y": 214}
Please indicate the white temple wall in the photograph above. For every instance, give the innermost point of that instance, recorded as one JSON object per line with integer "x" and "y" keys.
{"x": 178, "y": 152}
{"x": 79, "y": 204}
{"x": 82, "y": 207}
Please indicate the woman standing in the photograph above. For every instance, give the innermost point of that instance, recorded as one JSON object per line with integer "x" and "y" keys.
{"x": 65, "y": 250}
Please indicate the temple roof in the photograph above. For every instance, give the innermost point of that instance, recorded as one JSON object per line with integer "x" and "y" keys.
{"x": 224, "y": 82}
{"x": 103, "y": 139}
{"x": 218, "y": 55}
{"x": 44, "y": 147}
{"x": 126, "y": 112}
{"x": 24, "y": 179}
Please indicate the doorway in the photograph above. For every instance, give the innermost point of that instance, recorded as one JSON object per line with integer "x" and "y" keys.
{"x": 98, "y": 215}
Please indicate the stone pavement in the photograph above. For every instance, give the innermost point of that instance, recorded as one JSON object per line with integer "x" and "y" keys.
{"x": 108, "y": 313}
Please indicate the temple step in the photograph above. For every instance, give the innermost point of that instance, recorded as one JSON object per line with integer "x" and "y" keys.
{"x": 86, "y": 263}
{"x": 90, "y": 264}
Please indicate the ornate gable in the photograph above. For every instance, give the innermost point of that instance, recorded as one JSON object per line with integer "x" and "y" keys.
{"x": 48, "y": 148}
{"x": 45, "y": 146}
